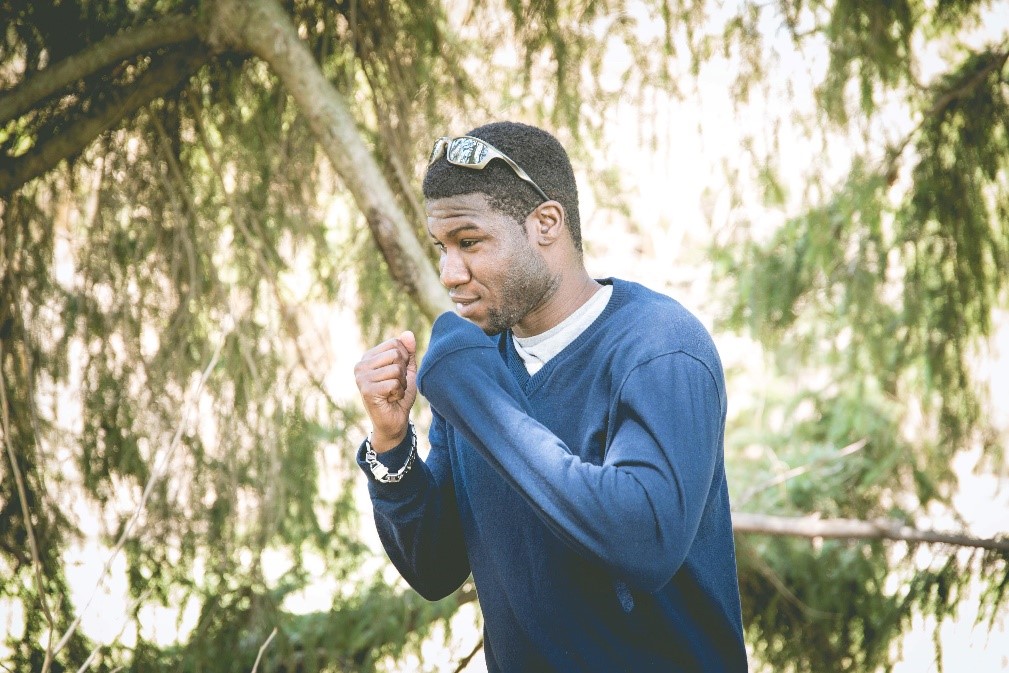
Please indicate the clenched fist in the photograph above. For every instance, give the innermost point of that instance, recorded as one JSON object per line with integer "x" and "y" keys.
{"x": 387, "y": 379}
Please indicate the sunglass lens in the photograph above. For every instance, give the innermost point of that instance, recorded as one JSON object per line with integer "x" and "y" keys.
{"x": 466, "y": 151}
{"x": 436, "y": 151}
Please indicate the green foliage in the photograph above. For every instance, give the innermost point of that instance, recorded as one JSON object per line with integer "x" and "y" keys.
{"x": 203, "y": 226}
{"x": 837, "y": 608}
{"x": 872, "y": 304}
{"x": 869, "y": 45}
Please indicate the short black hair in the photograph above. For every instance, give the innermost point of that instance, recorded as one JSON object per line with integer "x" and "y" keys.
{"x": 538, "y": 153}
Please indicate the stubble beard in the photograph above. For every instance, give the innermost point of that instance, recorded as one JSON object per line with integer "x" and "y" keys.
{"x": 527, "y": 287}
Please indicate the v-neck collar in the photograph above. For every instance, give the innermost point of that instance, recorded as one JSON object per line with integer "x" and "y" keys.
{"x": 531, "y": 383}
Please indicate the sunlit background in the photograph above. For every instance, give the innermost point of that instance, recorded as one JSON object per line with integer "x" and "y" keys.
{"x": 674, "y": 173}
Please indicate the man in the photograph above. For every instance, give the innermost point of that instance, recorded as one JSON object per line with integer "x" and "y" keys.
{"x": 576, "y": 462}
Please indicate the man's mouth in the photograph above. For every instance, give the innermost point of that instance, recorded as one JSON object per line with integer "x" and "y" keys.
{"x": 463, "y": 304}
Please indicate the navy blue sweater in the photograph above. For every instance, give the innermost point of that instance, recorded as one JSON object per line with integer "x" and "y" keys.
{"x": 588, "y": 501}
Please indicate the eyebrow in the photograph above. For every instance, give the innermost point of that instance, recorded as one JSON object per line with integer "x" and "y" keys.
{"x": 453, "y": 232}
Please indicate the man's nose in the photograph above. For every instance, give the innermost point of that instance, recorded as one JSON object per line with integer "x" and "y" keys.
{"x": 453, "y": 270}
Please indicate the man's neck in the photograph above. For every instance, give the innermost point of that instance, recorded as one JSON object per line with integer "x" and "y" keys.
{"x": 573, "y": 291}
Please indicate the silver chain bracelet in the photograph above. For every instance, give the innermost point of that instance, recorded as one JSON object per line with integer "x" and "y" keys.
{"x": 380, "y": 471}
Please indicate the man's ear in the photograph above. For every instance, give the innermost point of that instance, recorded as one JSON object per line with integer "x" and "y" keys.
{"x": 546, "y": 223}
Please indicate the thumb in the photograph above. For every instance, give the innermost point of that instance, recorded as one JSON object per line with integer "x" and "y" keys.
{"x": 410, "y": 342}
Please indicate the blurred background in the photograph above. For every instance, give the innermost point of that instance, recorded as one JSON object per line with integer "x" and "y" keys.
{"x": 210, "y": 208}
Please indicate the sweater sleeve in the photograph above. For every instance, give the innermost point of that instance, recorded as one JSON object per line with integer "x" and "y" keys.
{"x": 639, "y": 511}
{"x": 417, "y": 519}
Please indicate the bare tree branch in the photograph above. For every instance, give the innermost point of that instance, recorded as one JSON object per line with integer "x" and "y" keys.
{"x": 464, "y": 662}
{"x": 263, "y": 27}
{"x": 130, "y": 42}
{"x": 98, "y": 648}
{"x": 158, "y": 81}
{"x": 262, "y": 648}
{"x": 881, "y": 529}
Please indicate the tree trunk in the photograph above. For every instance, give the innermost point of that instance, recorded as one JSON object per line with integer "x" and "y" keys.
{"x": 263, "y": 28}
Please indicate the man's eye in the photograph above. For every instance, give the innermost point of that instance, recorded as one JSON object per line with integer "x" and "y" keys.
{"x": 439, "y": 246}
{"x": 467, "y": 243}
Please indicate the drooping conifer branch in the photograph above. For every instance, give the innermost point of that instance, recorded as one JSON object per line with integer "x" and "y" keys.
{"x": 262, "y": 27}
{"x": 994, "y": 61}
{"x": 127, "y": 44}
{"x": 160, "y": 79}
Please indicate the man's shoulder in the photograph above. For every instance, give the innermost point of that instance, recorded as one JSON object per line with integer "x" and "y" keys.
{"x": 657, "y": 321}
{"x": 651, "y": 327}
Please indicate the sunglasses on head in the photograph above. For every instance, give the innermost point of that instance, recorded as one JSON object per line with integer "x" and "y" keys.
{"x": 470, "y": 152}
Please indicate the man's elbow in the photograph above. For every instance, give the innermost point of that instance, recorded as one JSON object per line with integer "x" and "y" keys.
{"x": 434, "y": 592}
{"x": 650, "y": 565}
{"x": 435, "y": 588}
{"x": 649, "y": 577}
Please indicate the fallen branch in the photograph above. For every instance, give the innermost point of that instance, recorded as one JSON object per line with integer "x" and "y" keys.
{"x": 880, "y": 529}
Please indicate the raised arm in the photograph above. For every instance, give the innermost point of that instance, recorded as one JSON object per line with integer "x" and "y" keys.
{"x": 415, "y": 514}
{"x": 639, "y": 511}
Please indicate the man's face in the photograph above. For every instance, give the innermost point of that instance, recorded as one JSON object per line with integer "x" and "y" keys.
{"x": 494, "y": 273}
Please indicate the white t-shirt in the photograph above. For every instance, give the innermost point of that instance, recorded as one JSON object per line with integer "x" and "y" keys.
{"x": 537, "y": 350}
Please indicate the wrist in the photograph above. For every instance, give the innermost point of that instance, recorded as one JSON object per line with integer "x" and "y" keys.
{"x": 380, "y": 471}
{"x": 383, "y": 442}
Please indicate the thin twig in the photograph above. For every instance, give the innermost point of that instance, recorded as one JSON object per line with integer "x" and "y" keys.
{"x": 156, "y": 474}
{"x": 464, "y": 662}
{"x": 262, "y": 648}
{"x": 27, "y": 519}
{"x": 94, "y": 653}
{"x": 799, "y": 471}
{"x": 91, "y": 658}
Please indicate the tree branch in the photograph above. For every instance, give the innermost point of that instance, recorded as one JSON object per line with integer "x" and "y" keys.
{"x": 940, "y": 105}
{"x": 158, "y": 81}
{"x": 262, "y": 27}
{"x": 133, "y": 41}
{"x": 880, "y": 529}
{"x": 262, "y": 648}
{"x": 464, "y": 662}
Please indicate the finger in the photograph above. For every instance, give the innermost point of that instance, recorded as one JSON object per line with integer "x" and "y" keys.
{"x": 409, "y": 341}
{"x": 384, "y": 347}
{"x": 392, "y": 356}
{"x": 388, "y": 391}
{"x": 390, "y": 372}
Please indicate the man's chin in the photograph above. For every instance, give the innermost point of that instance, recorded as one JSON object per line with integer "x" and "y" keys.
{"x": 488, "y": 329}
{"x": 490, "y": 324}
{"x": 491, "y": 330}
